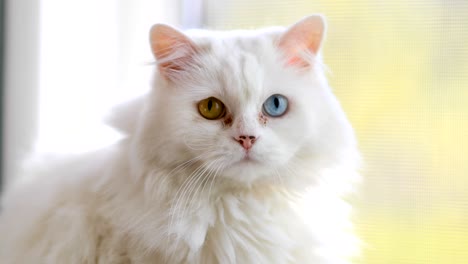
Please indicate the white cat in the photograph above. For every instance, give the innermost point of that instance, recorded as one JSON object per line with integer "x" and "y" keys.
{"x": 239, "y": 154}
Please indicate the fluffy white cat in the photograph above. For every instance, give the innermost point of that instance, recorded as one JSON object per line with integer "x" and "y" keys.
{"x": 239, "y": 154}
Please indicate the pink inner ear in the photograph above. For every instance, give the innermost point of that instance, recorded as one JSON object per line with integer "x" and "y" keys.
{"x": 172, "y": 49}
{"x": 302, "y": 38}
{"x": 295, "y": 61}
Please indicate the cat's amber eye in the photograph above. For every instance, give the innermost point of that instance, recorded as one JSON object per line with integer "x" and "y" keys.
{"x": 211, "y": 108}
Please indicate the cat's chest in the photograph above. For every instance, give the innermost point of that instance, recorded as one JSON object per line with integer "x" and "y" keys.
{"x": 243, "y": 229}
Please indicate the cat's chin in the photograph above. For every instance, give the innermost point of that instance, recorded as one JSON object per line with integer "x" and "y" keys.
{"x": 247, "y": 170}
{"x": 248, "y": 167}
{"x": 247, "y": 159}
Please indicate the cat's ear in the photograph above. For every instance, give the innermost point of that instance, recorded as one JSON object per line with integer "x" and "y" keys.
{"x": 172, "y": 49}
{"x": 302, "y": 39}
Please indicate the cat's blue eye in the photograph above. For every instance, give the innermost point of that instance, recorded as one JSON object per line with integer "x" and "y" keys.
{"x": 276, "y": 105}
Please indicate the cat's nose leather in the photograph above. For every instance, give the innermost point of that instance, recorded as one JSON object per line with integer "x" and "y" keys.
{"x": 246, "y": 141}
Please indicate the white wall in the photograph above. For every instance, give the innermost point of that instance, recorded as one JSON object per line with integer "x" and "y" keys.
{"x": 67, "y": 62}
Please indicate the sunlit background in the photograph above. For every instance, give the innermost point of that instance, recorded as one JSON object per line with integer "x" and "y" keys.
{"x": 400, "y": 69}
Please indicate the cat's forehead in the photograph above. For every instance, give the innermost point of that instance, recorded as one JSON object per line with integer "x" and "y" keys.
{"x": 236, "y": 64}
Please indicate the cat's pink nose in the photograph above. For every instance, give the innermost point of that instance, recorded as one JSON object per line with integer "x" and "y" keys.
{"x": 246, "y": 141}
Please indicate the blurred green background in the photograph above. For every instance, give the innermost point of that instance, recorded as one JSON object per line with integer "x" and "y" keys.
{"x": 400, "y": 70}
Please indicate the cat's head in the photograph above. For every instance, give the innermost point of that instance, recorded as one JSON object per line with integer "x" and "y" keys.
{"x": 243, "y": 105}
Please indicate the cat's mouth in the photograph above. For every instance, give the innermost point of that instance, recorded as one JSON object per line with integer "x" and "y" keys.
{"x": 248, "y": 158}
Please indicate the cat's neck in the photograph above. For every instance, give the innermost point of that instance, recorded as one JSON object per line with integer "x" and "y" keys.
{"x": 210, "y": 187}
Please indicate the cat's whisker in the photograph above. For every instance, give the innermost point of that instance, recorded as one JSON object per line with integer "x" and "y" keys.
{"x": 181, "y": 190}
{"x": 201, "y": 142}
{"x": 211, "y": 175}
{"x": 191, "y": 190}
{"x": 188, "y": 179}
{"x": 185, "y": 186}
{"x": 197, "y": 146}
{"x": 204, "y": 176}
{"x": 290, "y": 170}
{"x": 279, "y": 177}
{"x": 221, "y": 166}
{"x": 177, "y": 169}
{"x": 198, "y": 178}
{"x": 178, "y": 197}
{"x": 162, "y": 180}
{"x": 182, "y": 166}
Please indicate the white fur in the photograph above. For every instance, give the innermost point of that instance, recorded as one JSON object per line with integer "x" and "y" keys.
{"x": 176, "y": 189}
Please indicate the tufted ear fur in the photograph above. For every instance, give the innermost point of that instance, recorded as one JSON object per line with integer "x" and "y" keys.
{"x": 172, "y": 49}
{"x": 303, "y": 38}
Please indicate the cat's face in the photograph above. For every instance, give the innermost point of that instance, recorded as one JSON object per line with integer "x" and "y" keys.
{"x": 242, "y": 106}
